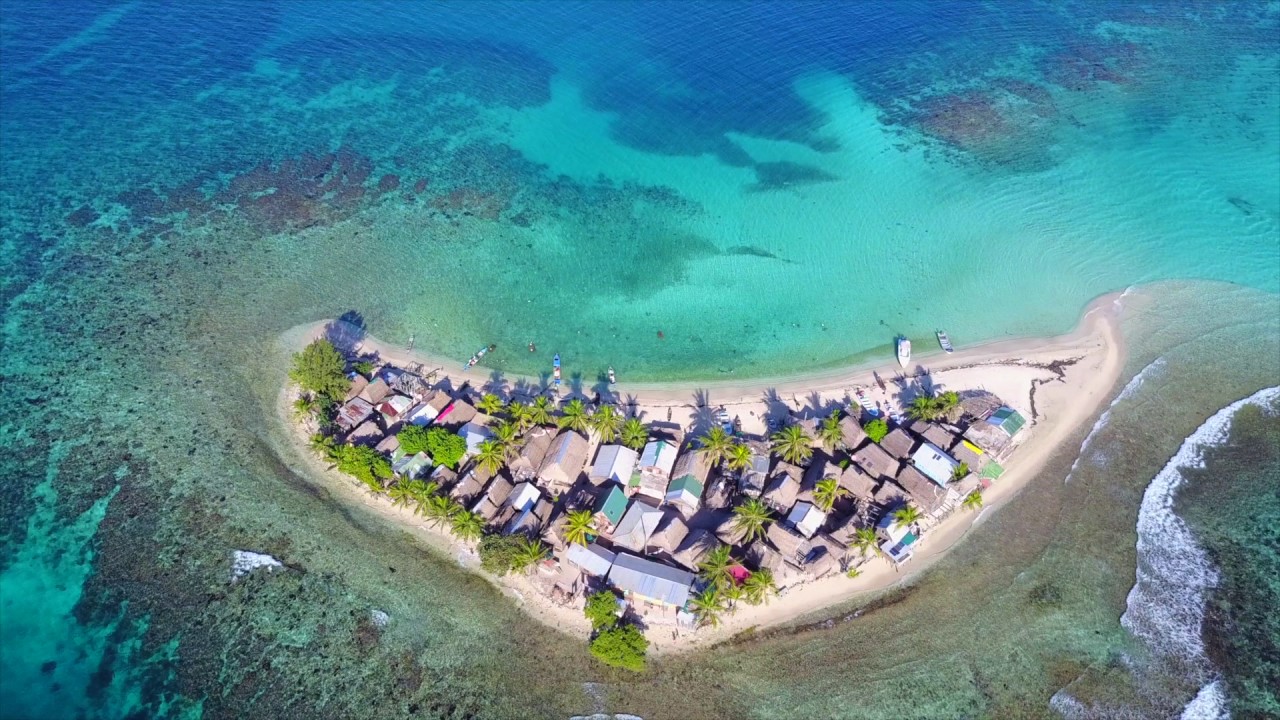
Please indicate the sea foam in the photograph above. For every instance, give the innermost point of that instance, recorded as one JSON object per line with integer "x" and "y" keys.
{"x": 244, "y": 562}
{"x": 1127, "y": 392}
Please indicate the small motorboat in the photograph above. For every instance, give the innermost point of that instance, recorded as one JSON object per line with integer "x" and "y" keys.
{"x": 904, "y": 351}
{"x": 866, "y": 402}
{"x": 613, "y": 379}
{"x": 945, "y": 342}
{"x": 476, "y": 358}
{"x": 555, "y": 367}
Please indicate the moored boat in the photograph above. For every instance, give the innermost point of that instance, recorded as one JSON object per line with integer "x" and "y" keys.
{"x": 945, "y": 342}
{"x": 476, "y": 358}
{"x": 904, "y": 351}
{"x": 555, "y": 366}
{"x": 612, "y": 377}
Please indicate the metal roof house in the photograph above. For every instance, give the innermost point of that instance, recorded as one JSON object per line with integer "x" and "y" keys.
{"x": 1008, "y": 420}
{"x": 614, "y": 463}
{"x": 474, "y": 434}
{"x": 591, "y": 559}
{"x": 753, "y": 480}
{"x": 653, "y": 471}
{"x": 411, "y": 466}
{"x": 353, "y": 413}
{"x": 610, "y": 508}
{"x": 647, "y": 581}
{"x": 685, "y": 492}
{"x": 806, "y": 518}
{"x": 637, "y": 526}
{"x": 934, "y": 463}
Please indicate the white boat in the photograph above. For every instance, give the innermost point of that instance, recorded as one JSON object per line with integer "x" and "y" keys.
{"x": 904, "y": 351}
{"x": 945, "y": 342}
{"x": 613, "y": 378}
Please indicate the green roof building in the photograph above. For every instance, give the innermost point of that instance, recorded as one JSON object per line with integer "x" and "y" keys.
{"x": 612, "y": 505}
{"x": 1007, "y": 419}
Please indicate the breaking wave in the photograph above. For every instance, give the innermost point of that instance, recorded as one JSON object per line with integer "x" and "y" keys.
{"x": 1127, "y": 392}
{"x": 1165, "y": 608}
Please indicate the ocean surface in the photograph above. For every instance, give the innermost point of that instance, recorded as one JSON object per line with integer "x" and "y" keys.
{"x": 692, "y": 190}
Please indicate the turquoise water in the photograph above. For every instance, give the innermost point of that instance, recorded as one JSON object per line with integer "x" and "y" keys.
{"x": 770, "y": 186}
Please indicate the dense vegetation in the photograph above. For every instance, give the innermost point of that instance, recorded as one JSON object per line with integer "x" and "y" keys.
{"x": 320, "y": 370}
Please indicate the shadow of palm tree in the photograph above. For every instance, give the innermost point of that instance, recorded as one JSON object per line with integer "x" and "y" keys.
{"x": 777, "y": 412}
{"x": 631, "y": 404}
{"x": 496, "y": 385}
{"x": 346, "y": 332}
{"x": 575, "y": 387}
{"x": 704, "y": 416}
{"x": 602, "y": 389}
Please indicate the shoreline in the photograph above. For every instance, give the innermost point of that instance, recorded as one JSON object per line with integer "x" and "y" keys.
{"x": 1060, "y": 383}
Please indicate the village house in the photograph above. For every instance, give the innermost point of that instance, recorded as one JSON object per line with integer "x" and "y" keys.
{"x": 688, "y": 480}
{"x": 614, "y": 463}
{"x": 783, "y": 488}
{"x": 358, "y": 384}
{"x": 995, "y": 434}
{"x": 388, "y": 445}
{"x": 806, "y": 518}
{"x": 411, "y": 467}
{"x": 649, "y": 582}
{"x": 610, "y": 508}
{"x": 534, "y": 450}
{"x": 928, "y": 496}
{"x": 752, "y": 481}
{"x": 456, "y": 414}
{"x": 393, "y": 407}
{"x": 694, "y": 548}
{"x": 898, "y": 443}
{"x": 878, "y": 463}
{"x": 851, "y": 433}
{"x": 637, "y": 525}
{"x": 934, "y": 433}
{"x": 564, "y": 460}
{"x": 353, "y": 413}
{"x": 591, "y": 559}
{"x": 653, "y": 471}
{"x": 934, "y": 463}
{"x": 367, "y": 433}
{"x": 374, "y": 392}
{"x": 857, "y": 483}
{"x": 667, "y": 538}
{"x": 969, "y": 454}
{"x": 898, "y": 542}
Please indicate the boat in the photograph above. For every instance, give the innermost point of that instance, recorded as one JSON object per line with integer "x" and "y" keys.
{"x": 476, "y": 358}
{"x": 904, "y": 351}
{"x": 555, "y": 366}
{"x": 945, "y": 342}
{"x": 613, "y": 379}
{"x": 866, "y": 402}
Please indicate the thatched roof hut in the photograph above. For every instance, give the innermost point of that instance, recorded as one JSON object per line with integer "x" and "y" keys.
{"x": 898, "y": 443}
{"x": 564, "y": 459}
{"x": 532, "y": 453}
{"x": 783, "y": 487}
{"x": 670, "y": 533}
{"x": 889, "y": 494}
{"x": 822, "y": 466}
{"x": 851, "y": 433}
{"x": 939, "y": 436}
{"x": 970, "y": 454}
{"x": 924, "y": 492}
{"x": 878, "y": 463}
{"x": 824, "y": 556}
{"x": 728, "y": 533}
{"x": 793, "y": 547}
{"x": 859, "y": 484}
{"x": 695, "y": 547}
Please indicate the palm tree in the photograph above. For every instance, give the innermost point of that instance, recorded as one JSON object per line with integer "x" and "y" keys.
{"x": 326, "y": 446}
{"x": 709, "y": 605}
{"x": 973, "y": 501}
{"x": 947, "y": 405}
{"x": 865, "y": 540}
{"x": 793, "y": 444}
{"x": 400, "y": 494}
{"x": 717, "y": 567}
{"x": 440, "y": 509}
{"x": 739, "y": 457}
{"x": 505, "y": 434}
{"x": 490, "y": 455}
{"x": 574, "y": 416}
{"x": 607, "y": 423}
{"x": 634, "y": 433}
{"x": 826, "y": 492}
{"x": 467, "y": 526}
{"x": 852, "y": 572}
{"x": 906, "y": 515}
{"x": 829, "y": 433}
{"x": 750, "y": 517}
{"x": 490, "y": 404}
{"x": 716, "y": 444}
{"x": 579, "y": 524}
{"x": 922, "y": 408}
{"x": 961, "y": 471}
{"x": 522, "y": 415}
{"x": 540, "y": 411}
{"x": 421, "y": 491}
{"x": 528, "y": 553}
{"x": 759, "y": 586}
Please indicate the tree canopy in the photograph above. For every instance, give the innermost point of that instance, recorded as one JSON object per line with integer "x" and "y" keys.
{"x": 445, "y": 448}
{"x": 602, "y": 610}
{"x": 876, "y": 429}
{"x": 364, "y": 463}
{"x": 320, "y": 369}
{"x": 621, "y": 646}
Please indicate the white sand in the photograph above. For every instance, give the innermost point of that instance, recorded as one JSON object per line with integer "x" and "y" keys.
{"x": 1006, "y": 368}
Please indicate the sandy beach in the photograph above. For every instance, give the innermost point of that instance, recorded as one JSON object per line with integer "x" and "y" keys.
{"x": 1058, "y": 383}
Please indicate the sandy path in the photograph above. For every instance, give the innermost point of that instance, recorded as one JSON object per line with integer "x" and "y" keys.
{"x": 1063, "y": 402}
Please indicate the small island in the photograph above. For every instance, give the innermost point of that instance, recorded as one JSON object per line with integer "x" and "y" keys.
{"x": 647, "y": 518}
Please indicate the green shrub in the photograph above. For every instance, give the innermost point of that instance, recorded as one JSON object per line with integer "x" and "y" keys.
{"x": 444, "y": 447}
{"x": 364, "y": 367}
{"x": 621, "y": 646}
{"x": 602, "y": 610}
{"x": 876, "y": 429}
{"x": 320, "y": 369}
{"x": 364, "y": 463}
{"x": 413, "y": 439}
{"x": 498, "y": 553}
